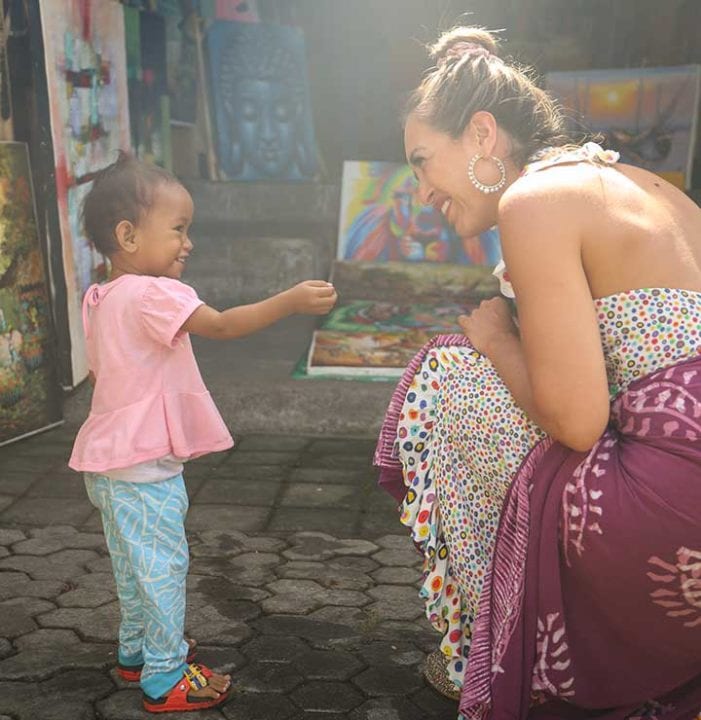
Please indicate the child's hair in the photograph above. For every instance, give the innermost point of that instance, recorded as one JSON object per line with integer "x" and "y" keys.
{"x": 123, "y": 190}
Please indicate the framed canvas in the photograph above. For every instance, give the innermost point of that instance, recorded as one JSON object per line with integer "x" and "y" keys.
{"x": 382, "y": 219}
{"x": 29, "y": 393}
{"x": 649, "y": 115}
{"x": 84, "y": 49}
{"x": 261, "y": 102}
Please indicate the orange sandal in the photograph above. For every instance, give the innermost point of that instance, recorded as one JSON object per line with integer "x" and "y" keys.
{"x": 178, "y": 699}
{"x": 132, "y": 673}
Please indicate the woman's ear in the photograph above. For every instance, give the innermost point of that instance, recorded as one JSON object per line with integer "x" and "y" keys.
{"x": 125, "y": 235}
{"x": 481, "y": 133}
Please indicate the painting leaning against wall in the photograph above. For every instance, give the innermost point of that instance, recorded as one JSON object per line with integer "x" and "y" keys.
{"x": 29, "y": 395}
{"x": 84, "y": 48}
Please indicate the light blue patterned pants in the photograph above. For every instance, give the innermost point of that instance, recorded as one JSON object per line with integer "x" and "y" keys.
{"x": 145, "y": 533}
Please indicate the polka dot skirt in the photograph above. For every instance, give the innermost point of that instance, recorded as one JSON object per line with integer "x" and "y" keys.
{"x": 461, "y": 439}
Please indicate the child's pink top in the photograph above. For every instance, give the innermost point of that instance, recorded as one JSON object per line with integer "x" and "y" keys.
{"x": 149, "y": 399}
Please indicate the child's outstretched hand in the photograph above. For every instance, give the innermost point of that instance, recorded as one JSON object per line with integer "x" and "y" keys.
{"x": 313, "y": 297}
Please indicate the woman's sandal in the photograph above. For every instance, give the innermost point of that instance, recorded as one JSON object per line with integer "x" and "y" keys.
{"x": 178, "y": 699}
{"x": 132, "y": 673}
{"x": 436, "y": 674}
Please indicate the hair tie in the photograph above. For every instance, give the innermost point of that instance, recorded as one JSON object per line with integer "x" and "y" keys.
{"x": 466, "y": 49}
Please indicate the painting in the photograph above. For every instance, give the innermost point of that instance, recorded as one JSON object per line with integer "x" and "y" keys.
{"x": 29, "y": 393}
{"x": 363, "y": 353}
{"x": 237, "y": 10}
{"x": 261, "y": 101}
{"x": 379, "y": 316}
{"x": 149, "y": 101}
{"x": 649, "y": 115}
{"x": 84, "y": 47}
{"x": 386, "y": 312}
{"x": 382, "y": 219}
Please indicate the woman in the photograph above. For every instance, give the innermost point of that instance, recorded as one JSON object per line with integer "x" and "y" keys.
{"x": 550, "y": 467}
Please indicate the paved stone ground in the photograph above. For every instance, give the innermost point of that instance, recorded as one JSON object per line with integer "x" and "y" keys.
{"x": 302, "y": 585}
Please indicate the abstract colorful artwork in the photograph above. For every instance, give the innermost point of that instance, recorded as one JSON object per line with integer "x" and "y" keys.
{"x": 237, "y": 10}
{"x": 261, "y": 100}
{"x": 382, "y": 219}
{"x": 84, "y": 48}
{"x": 29, "y": 394}
{"x": 649, "y": 115}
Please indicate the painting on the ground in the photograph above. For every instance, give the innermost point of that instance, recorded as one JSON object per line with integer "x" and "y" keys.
{"x": 363, "y": 352}
{"x": 261, "y": 100}
{"x": 387, "y": 311}
{"x": 84, "y": 47}
{"x": 649, "y": 115}
{"x": 379, "y": 316}
{"x": 382, "y": 219}
{"x": 29, "y": 396}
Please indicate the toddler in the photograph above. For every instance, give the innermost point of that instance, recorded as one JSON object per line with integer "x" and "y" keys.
{"x": 151, "y": 412}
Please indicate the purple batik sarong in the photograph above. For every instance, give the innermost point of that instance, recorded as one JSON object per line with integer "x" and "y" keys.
{"x": 592, "y": 606}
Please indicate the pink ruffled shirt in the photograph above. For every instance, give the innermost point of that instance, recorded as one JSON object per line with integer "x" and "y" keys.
{"x": 149, "y": 399}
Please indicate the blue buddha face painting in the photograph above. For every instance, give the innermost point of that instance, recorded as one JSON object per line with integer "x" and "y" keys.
{"x": 262, "y": 102}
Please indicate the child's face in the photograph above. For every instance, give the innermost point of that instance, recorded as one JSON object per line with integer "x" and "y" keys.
{"x": 162, "y": 233}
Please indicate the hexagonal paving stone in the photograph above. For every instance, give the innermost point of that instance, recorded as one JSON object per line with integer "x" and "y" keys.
{"x": 259, "y": 706}
{"x": 17, "y": 584}
{"x": 47, "y": 544}
{"x": 210, "y": 627}
{"x": 85, "y": 598}
{"x": 221, "y": 659}
{"x": 44, "y": 652}
{"x": 407, "y": 557}
{"x": 299, "y": 597}
{"x": 396, "y": 576}
{"x": 390, "y": 708}
{"x": 9, "y": 536}
{"x": 385, "y": 680}
{"x": 327, "y": 697}
{"x": 328, "y": 574}
{"x": 398, "y": 653}
{"x": 100, "y": 624}
{"x": 273, "y": 649}
{"x": 289, "y": 519}
{"x": 16, "y": 621}
{"x": 267, "y": 678}
{"x": 71, "y": 696}
{"x": 208, "y": 585}
{"x": 62, "y": 565}
{"x": 328, "y": 665}
{"x": 395, "y": 542}
{"x": 6, "y": 648}
{"x": 234, "y": 541}
{"x": 396, "y": 602}
{"x": 320, "y": 633}
{"x": 320, "y": 546}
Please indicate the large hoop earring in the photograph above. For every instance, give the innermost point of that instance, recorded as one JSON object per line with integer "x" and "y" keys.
{"x": 487, "y": 189}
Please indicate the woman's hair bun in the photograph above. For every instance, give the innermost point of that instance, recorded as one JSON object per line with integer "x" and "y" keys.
{"x": 462, "y": 41}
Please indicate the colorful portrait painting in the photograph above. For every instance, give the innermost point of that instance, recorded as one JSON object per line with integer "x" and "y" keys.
{"x": 261, "y": 101}
{"x": 649, "y": 115}
{"x": 382, "y": 219}
{"x": 84, "y": 48}
{"x": 29, "y": 393}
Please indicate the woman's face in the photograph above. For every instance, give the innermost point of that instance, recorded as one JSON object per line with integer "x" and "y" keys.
{"x": 440, "y": 164}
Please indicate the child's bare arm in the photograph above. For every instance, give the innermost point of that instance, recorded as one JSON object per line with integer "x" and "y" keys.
{"x": 312, "y": 297}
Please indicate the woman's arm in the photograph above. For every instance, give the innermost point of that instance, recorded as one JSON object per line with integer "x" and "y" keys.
{"x": 556, "y": 369}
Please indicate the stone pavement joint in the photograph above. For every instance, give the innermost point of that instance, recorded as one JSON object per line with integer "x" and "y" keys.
{"x": 303, "y": 585}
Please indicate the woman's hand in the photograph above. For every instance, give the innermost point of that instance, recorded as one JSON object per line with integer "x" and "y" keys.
{"x": 490, "y": 321}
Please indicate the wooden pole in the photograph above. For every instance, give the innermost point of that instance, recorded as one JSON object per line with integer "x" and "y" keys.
{"x": 204, "y": 98}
